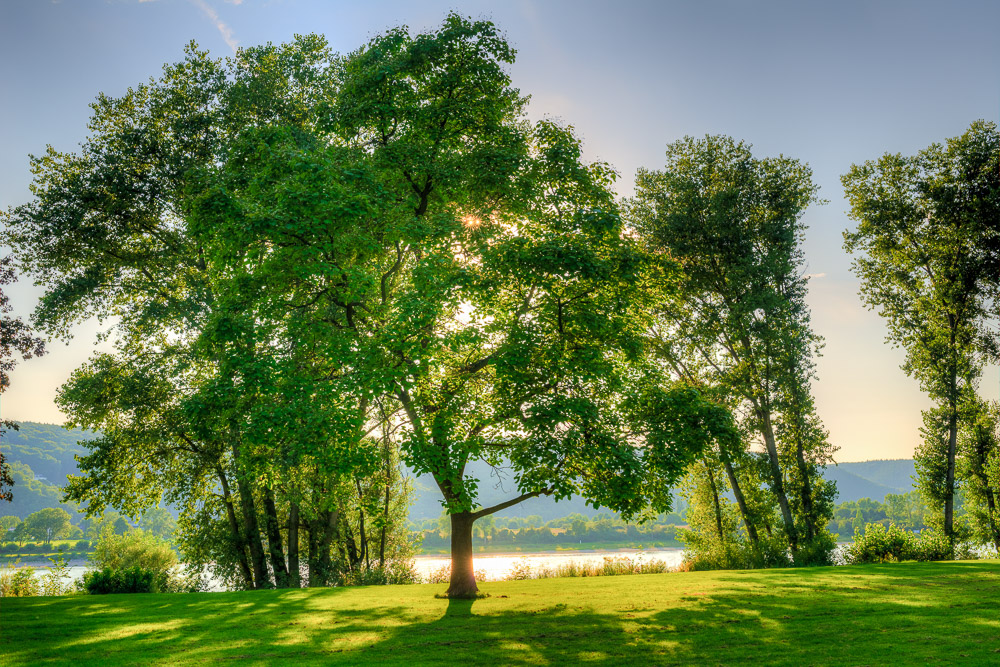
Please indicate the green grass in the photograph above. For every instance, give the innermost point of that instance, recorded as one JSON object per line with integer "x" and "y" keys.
{"x": 902, "y": 614}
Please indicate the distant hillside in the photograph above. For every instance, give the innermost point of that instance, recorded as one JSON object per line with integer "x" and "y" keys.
{"x": 43, "y": 454}
{"x": 853, "y": 487}
{"x": 46, "y": 448}
{"x": 895, "y": 474}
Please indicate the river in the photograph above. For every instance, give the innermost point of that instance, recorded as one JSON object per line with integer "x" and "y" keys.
{"x": 496, "y": 567}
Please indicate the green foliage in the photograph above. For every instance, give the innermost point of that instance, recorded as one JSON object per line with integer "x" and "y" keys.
{"x": 736, "y": 323}
{"x": 133, "y": 579}
{"x": 135, "y": 561}
{"x": 48, "y": 524}
{"x": 132, "y": 549}
{"x": 875, "y": 543}
{"x": 393, "y": 573}
{"x": 925, "y": 225}
{"x": 978, "y": 468}
{"x": 878, "y": 543}
{"x": 18, "y": 582}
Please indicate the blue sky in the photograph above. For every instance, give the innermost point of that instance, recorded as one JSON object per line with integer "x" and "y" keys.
{"x": 830, "y": 83}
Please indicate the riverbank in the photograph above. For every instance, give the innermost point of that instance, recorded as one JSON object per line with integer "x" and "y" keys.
{"x": 899, "y": 614}
{"x": 548, "y": 547}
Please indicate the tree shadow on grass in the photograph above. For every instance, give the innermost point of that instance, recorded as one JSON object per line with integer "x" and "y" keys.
{"x": 874, "y": 615}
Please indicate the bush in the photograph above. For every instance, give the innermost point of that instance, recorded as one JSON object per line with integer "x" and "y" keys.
{"x": 127, "y": 580}
{"x": 138, "y": 551}
{"x": 395, "y": 572}
{"x": 82, "y": 545}
{"x": 890, "y": 544}
{"x": 818, "y": 551}
{"x": 705, "y": 554}
{"x": 18, "y": 582}
{"x": 882, "y": 544}
{"x": 132, "y": 549}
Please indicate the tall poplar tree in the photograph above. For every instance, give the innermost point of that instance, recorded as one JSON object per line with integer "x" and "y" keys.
{"x": 733, "y": 222}
{"x": 926, "y": 224}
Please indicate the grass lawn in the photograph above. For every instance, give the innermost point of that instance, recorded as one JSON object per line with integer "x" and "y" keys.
{"x": 903, "y": 614}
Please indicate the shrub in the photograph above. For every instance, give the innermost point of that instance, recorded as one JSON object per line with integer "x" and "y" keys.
{"x": 132, "y": 549}
{"x": 82, "y": 545}
{"x": 890, "y": 544}
{"x": 135, "y": 551}
{"x": 881, "y": 544}
{"x": 818, "y": 551}
{"x": 395, "y": 572}
{"x": 703, "y": 554}
{"x": 18, "y": 582}
{"x": 126, "y": 580}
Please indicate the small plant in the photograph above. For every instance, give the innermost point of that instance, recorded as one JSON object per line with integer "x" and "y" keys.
{"x": 609, "y": 566}
{"x": 394, "y": 573}
{"x": 18, "y": 582}
{"x": 55, "y": 581}
{"x": 442, "y": 575}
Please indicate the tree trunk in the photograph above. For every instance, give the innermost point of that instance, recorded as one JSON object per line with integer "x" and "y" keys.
{"x": 252, "y": 530}
{"x": 274, "y": 546}
{"x": 949, "y": 482}
{"x": 234, "y": 528}
{"x": 362, "y": 534}
{"x": 777, "y": 483}
{"x": 249, "y": 509}
{"x": 312, "y": 558}
{"x": 715, "y": 501}
{"x": 385, "y": 524}
{"x": 741, "y": 503}
{"x": 321, "y": 533}
{"x": 463, "y": 578}
{"x": 806, "y": 489}
{"x": 294, "y": 575}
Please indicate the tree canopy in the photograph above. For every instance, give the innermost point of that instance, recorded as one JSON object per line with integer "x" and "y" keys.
{"x": 926, "y": 225}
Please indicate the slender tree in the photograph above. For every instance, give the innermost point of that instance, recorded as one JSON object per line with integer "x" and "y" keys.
{"x": 925, "y": 227}
{"x": 739, "y": 319}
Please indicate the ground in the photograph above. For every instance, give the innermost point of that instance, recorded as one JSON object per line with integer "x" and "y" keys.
{"x": 894, "y": 614}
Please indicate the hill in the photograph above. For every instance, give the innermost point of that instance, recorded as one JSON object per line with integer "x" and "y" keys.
{"x": 43, "y": 456}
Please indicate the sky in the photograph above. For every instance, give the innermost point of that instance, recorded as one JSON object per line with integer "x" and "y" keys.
{"x": 829, "y": 83}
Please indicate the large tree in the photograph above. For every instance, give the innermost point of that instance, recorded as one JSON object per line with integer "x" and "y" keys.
{"x": 925, "y": 228}
{"x": 181, "y": 401}
{"x": 462, "y": 270}
{"x": 738, "y": 320}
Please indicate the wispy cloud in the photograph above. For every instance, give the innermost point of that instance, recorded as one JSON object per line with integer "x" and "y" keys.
{"x": 224, "y": 30}
{"x": 815, "y": 275}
